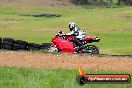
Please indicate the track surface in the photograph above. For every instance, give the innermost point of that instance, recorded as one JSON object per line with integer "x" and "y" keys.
{"x": 47, "y": 60}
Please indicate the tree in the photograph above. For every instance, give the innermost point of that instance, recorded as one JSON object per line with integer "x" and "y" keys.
{"x": 125, "y": 2}
{"x": 92, "y": 2}
{"x": 101, "y": 2}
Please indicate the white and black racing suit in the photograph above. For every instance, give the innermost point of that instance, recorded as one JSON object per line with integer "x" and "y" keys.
{"x": 80, "y": 34}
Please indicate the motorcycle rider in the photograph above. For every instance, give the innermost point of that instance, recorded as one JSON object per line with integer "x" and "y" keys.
{"x": 76, "y": 31}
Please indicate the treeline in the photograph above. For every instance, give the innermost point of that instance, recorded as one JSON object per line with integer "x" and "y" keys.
{"x": 125, "y": 2}
{"x": 102, "y": 2}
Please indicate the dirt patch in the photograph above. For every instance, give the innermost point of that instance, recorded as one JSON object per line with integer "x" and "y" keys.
{"x": 46, "y": 60}
{"x": 7, "y": 25}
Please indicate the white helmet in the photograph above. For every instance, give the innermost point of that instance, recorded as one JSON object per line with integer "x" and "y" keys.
{"x": 71, "y": 26}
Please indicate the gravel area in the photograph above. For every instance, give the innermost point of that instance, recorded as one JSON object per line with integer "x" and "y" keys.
{"x": 67, "y": 61}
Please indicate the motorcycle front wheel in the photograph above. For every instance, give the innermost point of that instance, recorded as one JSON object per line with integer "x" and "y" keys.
{"x": 53, "y": 49}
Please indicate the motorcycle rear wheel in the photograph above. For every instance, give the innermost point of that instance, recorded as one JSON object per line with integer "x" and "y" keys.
{"x": 91, "y": 49}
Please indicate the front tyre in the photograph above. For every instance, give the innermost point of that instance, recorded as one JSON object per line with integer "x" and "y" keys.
{"x": 53, "y": 49}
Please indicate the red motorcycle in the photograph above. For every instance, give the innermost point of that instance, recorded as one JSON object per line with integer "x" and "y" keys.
{"x": 62, "y": 43}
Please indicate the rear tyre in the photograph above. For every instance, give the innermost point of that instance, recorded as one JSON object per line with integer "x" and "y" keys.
{"x": 33, "y": 46}
{"x": 91, "y": 49}
{"x": 46, "y": 46}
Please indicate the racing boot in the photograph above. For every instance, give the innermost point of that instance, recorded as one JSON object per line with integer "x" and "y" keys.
{"x": 77, "y": 48}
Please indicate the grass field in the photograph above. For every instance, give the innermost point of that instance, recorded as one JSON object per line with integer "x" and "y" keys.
{"x": 112, "y": 25}
{"x": 48, "y": 78}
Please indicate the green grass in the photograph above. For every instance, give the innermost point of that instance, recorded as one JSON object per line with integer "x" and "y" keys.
{"x": 112, "y": 25}
{"x": 11, "y": 77}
